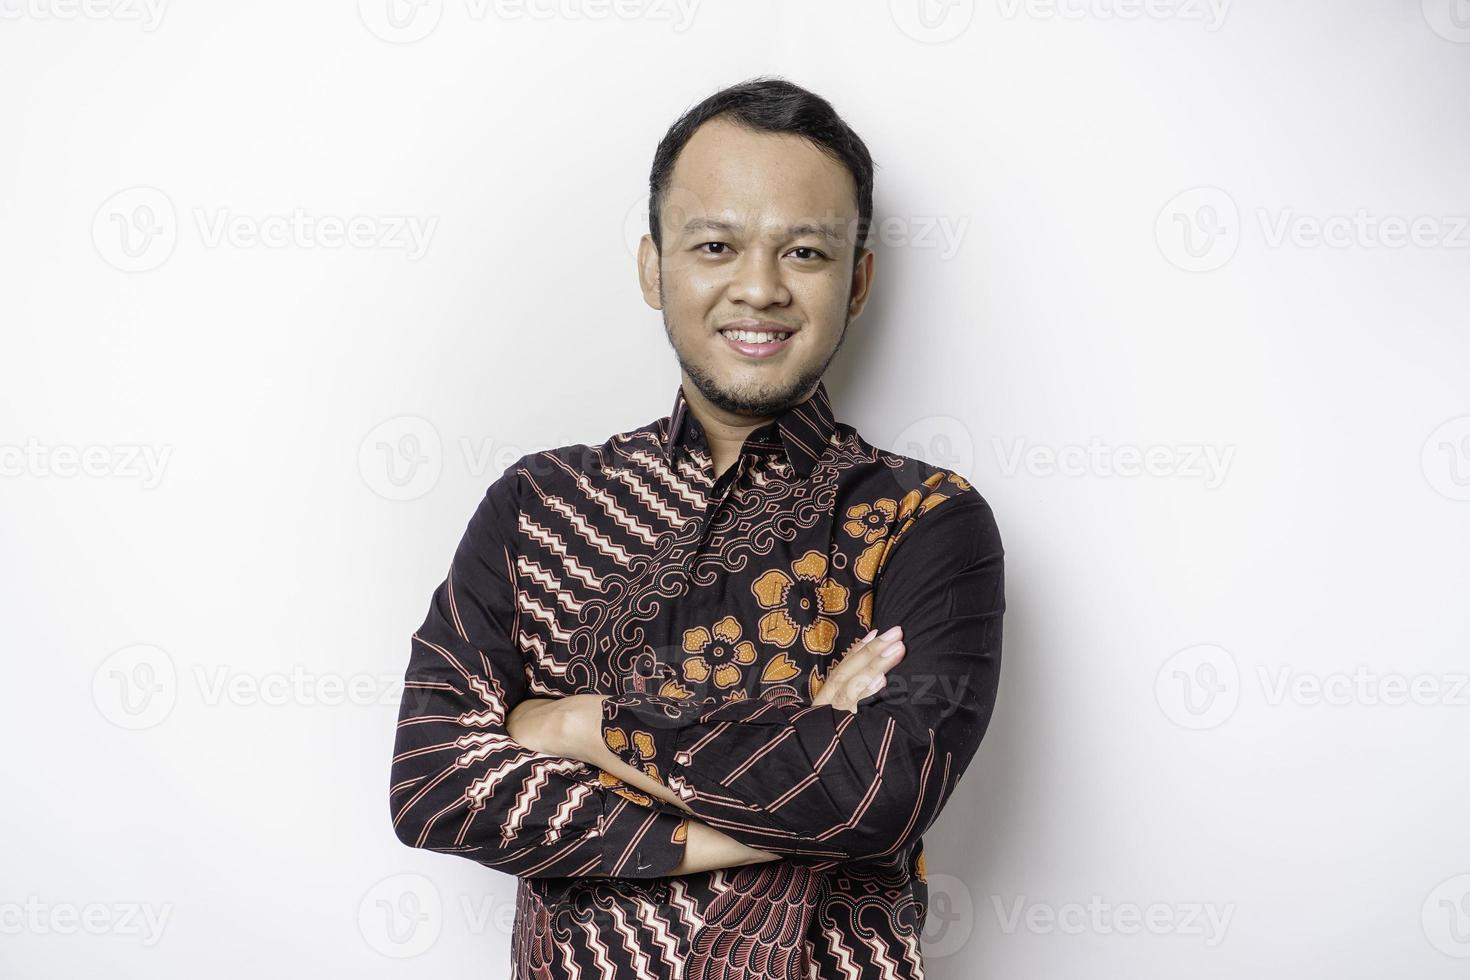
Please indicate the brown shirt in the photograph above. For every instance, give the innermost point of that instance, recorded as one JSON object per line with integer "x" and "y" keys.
{"x": 710, "y": 610}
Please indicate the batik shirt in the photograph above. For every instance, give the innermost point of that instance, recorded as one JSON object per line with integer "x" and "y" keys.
{"x": 710, "y": 610}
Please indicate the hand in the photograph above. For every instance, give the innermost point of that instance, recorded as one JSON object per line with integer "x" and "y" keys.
{"x": 707, "y": 849}
{"x": 862, "y": 670}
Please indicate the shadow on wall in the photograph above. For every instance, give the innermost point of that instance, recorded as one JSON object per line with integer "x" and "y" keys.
{"x": 981, "y": 821}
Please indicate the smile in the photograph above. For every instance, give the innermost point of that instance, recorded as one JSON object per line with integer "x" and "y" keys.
{"x": 756, "y": 343}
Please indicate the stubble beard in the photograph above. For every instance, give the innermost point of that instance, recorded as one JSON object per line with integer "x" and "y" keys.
{"x": 762, "y": 403}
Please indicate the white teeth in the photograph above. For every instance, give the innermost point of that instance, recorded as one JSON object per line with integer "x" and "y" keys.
{"x": 754, "y": 336}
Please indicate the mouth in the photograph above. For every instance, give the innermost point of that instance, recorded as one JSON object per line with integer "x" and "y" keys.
{"x": 757, "y": 340}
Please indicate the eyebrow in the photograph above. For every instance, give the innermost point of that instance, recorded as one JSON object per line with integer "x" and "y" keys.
{"x": 829, "y": 232}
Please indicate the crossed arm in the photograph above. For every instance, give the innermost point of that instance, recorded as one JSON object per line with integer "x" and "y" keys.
{"x": 833, "y": 779}
{"x": 677, "y": 787}
{"x": 460, "y": 784}
{"x": 573, "y": 727}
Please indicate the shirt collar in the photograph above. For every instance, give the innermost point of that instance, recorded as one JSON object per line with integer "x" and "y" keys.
{"x": 803, "y": 431}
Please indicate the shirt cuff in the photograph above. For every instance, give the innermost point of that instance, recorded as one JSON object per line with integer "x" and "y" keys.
{"x": 641, "y": 837}
{"x": 648, "y": 732}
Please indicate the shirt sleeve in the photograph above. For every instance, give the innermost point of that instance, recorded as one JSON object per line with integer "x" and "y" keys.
{"x": 460, "y": 784}
{"x": 817, "y": 781}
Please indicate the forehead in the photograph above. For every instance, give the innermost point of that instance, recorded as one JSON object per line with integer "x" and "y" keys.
{"x": 729, "y": 171}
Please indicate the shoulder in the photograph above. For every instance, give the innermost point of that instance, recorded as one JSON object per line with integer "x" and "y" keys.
{"x": 560, "y": 469}
{"x": 916, "y": 493}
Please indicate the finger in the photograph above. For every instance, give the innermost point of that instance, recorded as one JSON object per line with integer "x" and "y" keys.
{"x": 874, "y": 653}
{"x": 859, "y": 687}
{"x": 870, "y": 646}
{"x": 833, "y": 683}
{"x": 879, "y": 657}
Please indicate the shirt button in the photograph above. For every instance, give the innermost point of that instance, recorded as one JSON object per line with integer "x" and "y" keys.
{"x": 682, "y": 758}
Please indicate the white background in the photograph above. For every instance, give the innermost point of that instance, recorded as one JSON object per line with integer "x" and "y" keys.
{"x": 1233, "y": 702}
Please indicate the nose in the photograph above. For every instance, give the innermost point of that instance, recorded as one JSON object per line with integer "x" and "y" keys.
{"x": 756, "y": 280}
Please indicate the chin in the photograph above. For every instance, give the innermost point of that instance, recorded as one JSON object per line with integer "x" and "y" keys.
{"x": 768, "y": 394}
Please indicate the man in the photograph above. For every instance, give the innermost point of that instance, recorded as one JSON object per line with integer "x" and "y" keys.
{"x": 703, "y": 686}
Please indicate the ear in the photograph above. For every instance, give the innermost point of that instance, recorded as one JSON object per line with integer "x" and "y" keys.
{"x": 648, "y": 272}
{"x": 862, "y": 283}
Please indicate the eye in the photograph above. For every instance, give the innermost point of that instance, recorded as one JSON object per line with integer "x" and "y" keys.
{"x": 811, "y": 252}
{"x": 714, "y": 244}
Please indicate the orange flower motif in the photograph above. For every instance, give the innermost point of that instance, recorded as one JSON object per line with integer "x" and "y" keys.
{"x": 869, "y": 521}
{"x": 779, "y": 669}
{"x": 674, "y": 689}
{"x": 609, "y": 781}
{"x": 917, "y": 502}
{"x": 719, "y": 656}
{"x": 867, "y": 564}
{"x": 642, "y": 745}
{"x": 814, "y": 682}
{"x": 800, "y": 604}
{"x": 911, "y": 500}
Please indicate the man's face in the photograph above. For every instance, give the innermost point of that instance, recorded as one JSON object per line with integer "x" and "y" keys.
{"x": 758, "y": 232}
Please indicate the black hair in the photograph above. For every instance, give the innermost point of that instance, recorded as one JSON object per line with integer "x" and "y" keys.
{"x": 772, "y": 105}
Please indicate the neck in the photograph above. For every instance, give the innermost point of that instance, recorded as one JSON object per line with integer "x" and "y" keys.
{"x": 724, "y": 431}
